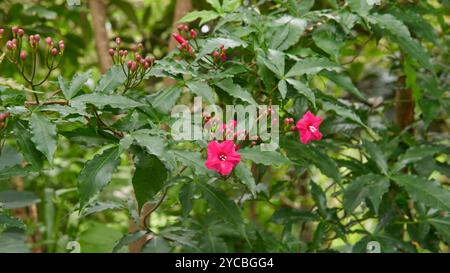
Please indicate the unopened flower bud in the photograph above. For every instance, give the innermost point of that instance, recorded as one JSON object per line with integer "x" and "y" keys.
{"x": 20, "y": 32}
{"x": 125, "y": 53}
{"x": 62, "y": 46}
{"x": 120, "y": 53}
{"x": 7, "y": 115}
{"x": 2, "y": 125}
{"x": 2, "y": 116}
{"x": 129, "y": 63}
{"x": 1, "y": 31}
{"x": 193, "y": 34}
{"x": 146, "y": 65}
{"x": 9, "y": 45}
{"x": 37, "y": 38}
{"x": 142, "y": 62}
{"x": 215, "y": 54}
{"x": 137, "y": 56}
{"x": 54, "y": 52}
{"x": 48, "y": 41}
{"x": 15, "y": 29}
{"x": 23, "y": 55}
{"x": 293, "y": 128}
{"x": 133, "y": 66}
{"x": 180, "y": 27}
{"x": 118, "y": 41}
{"x": 286, "y": 121}
{"x": 253, "y": 143}
{"x": 111, "y": 52}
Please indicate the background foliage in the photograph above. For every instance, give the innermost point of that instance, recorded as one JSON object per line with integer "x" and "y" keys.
{"x": 101, "y": 168}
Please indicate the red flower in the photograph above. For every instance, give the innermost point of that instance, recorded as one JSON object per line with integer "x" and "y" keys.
{"x": 308, "y": 128}
{"x": 222, "y": 157}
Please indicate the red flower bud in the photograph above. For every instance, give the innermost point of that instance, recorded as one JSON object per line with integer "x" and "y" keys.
{"x": 54, "y": 52}
{"x": 137, "y": 56}
{"x": 142, "y": 62}
{"x": 222, "y": 47}
{"x": 129, "y": 64}
{"x": 1, "y": 31}
{"x": 23, "y": 55}
{"x": 37, "y": 38}
{"x": 9, "y": 45}
{"x": 111, "y": 52}
{"x": 21, "y": 32}
{"x": 293, "y": 128}
{"x": 193, "y": 34}
{"x": 180, "y": 27}
{"x": 2, "y": 125}
{"x": 179, "y": 39}
{"x": 125, "y": 53}
{"x": 286, "y": 121}
{"x": 48, "y": 41}
{"x": 133, "y": 66}
{"x": 121, "y": 53}
{"x": 2, "y": 116}
{"x": 62, "y": 46}
{"x": 118, "y": 41}
{"x": 15, "y": 29}
{"x": 253, "y": 143}
{"x": 146, "y": 65}
{"x": 215, "y": 54}
{"x": 291, "y": 120}
{"x": 7, "y": 115}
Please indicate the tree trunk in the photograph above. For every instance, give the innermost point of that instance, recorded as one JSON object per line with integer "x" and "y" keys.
{"x": 404, "y": 105}
{"x": 182, "y": 7}
{"x": 98, "y": 11}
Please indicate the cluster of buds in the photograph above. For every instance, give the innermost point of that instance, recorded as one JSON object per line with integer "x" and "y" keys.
{"x": 220, "y": 55}
{"x": 4, "y": 117}
{"x": 219, "y": 129}
{"x": 135, "y": 65}
{"x": 17, "y": 54}
{"x": 182, "y": 37}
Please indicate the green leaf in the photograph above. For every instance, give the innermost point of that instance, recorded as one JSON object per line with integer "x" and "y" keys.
{"x": 128, "y": 239}
{"x": 371, "y": 186}
{"x": 204, "y": 15}
{"x": 442, "y": 226}
{"x": 75, "y": 85}
{"x": 344, "y": 82}
{"x": 191, "y": 159}
{"x": 97, "y": 173}
{"x": 186, "y": 197}
{"x": 100, "y": 100}
{"x": 164, "y": 100}
{"x": 231, "y": 5}
{"x": 376, "y": 155}
{"x": 17, "y": 199}
{"x": 304, "y": 90}
{"x": 427, "y": 192}
{"x": 399, "y": 33}
{"x": 112, "y": 79}
{"x": 11, "y": 171}
{"x": 9, "y": 157}
{"x": 226, "y": 208}
{"x": 235, "y": 90}
{"x": 156, "y": 245}
{"x": 11, "y": 222}
{"x": 246, "y": 177}
{"x": 201, "y": 89}
{"x": 282, "y": 87}
{"x": 263, "y": 157}
{"x": 44, "y": 134}
{"x": 149, "y": 178}
{"x": 312, "y": 66}
{"x": 153, "y": 144}
{"x": 276, "y": 62}
{"x": 294, "y": 28}
{"x": 214, "y": 43}
{"x": 416, "y": 153}
{"x": 343, "y": 112}
{"x": 285, "y": 216}
{"x": 362, "y": 7}
{"x": 326, "y": 39}
{"x": 320, "y": 199}
{"x": 308, "y": 154}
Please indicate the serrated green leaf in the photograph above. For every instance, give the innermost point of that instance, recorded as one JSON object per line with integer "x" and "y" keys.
{"x": 416, "y": 153}
{"x": 97, "y": 173}
{"x": 427, "y": 192}
{"x": 236, "y": 91}
{"x": 153, "y": 144}
{"x": 344, "y": 82}
{"x": 294, "y": 28}
{"x": 214, "y": 43}
{"x": 44, "y": 134}
{"x": 100, "y": 100}
{"x": 263, "y": 157}
{"x": 17, "y": 199}
{"x": 128, "y": 239}
{"x": 164, "y": 100}
{"x": 369, "y": 186}
{"x": 312, "y": 66}
{"x": 191, "y": 159}
{"x": 204, "y": 16}
{"x": 112, "y": 79}
{"x": 201, "y": 89}
{"x": 376, "y": 155}
{"x": 304, "y": 90}
{"x": 282, "y": 87}
{"x": 226, "y": 208}
{"x": 442, "y": 226}
{"x": 246, "y": 177}
{"x": 75, "y": 85}
{"x": 148, "y": 178}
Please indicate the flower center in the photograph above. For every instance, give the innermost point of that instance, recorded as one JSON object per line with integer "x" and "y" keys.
{"x": 222, "y": 157}
{"x": 312, "y": 129}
